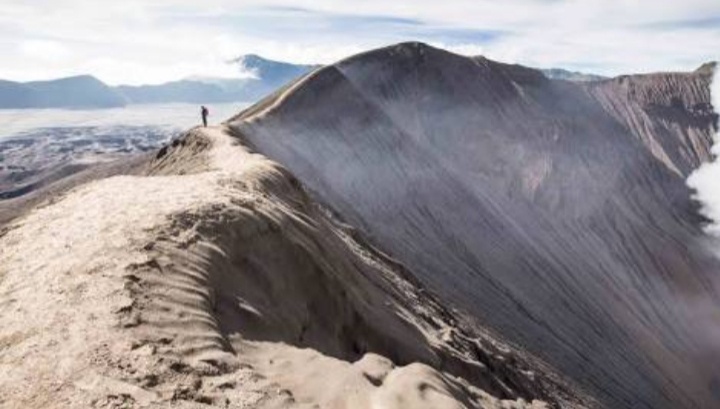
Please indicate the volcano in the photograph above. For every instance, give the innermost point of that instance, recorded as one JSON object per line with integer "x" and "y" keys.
{"x": 553, "y": 212}
{"x": 406, "y": 228}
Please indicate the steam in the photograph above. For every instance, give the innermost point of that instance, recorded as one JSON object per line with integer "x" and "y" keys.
{"x": 706, "y": 179}
{"x": 246, "y": 70}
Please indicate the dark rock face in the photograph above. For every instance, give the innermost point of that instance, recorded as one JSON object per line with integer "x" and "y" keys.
{"x": 554, "y": 212}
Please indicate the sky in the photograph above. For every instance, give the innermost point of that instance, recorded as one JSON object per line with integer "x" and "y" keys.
{"x": 154, "y": 41}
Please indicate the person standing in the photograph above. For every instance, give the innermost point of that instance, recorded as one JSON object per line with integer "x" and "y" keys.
{"x": 204, "y": 112}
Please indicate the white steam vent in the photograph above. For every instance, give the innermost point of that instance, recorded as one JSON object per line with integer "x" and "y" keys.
{"x": 706, "y": 180}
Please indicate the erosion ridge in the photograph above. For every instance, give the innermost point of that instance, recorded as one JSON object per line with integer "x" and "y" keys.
{"x": 556, "y": 213}
{"x": 219, "y": 282}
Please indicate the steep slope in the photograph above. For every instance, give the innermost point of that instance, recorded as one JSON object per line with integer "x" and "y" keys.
{"x": 214, "y": 280}
{"x": 554, "y": 212}
{"x": 669, "y": 113}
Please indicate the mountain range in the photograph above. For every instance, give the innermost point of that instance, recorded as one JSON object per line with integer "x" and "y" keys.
{"x": 266, "y": 76}
{"x": 82, "y": 91}
{"x": 262, "y": 77}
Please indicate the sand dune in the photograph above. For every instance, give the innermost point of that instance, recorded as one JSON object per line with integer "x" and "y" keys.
{"x": 215, "y": 281}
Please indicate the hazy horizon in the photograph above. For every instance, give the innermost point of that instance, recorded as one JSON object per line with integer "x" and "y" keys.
{"x": 135, "y": 42}
{"x": 169, "y": 115}
{"x": 240, "y": 74}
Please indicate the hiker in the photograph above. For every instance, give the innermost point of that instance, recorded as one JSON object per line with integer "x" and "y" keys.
{"x": 204, "y": 112}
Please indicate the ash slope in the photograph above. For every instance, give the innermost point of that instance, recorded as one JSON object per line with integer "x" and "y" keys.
{"x": 215, "y": 281}
{"x": 554, "y": 212}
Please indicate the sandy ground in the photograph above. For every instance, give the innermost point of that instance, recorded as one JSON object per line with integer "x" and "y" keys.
{"x": 215, "y": 281}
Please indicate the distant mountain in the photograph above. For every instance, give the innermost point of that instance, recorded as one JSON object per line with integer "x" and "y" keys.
{"x": 190, "y": 91}
{"x": 266, "y": 76}
{"x": 272, "y": 71}
{"x": 89, "y": 92}
{"x": 16, "y": 95}
{"x": 562, "y": 74}
{"x": 83, "y": 91}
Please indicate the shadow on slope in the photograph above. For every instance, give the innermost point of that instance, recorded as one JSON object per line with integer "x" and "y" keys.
{"x": 270, "y": 265}
{"x": 215, "y": 280}
{"x": 554, "y": 212}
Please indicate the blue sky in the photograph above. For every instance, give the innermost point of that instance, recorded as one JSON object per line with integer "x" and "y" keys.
{"x": 144, "y": 41}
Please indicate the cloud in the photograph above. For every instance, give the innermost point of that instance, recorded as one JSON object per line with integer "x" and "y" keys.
{"x": 137, "y": 41}
{"x": 44, "y": 50}
{"x": 704, "y": 180}
{"x": 689, "y": 24}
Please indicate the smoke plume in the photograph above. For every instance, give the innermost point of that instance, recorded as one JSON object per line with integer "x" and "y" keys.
{"x": 706, "y": 179}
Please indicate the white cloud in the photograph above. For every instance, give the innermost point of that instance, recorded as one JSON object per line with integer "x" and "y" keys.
{"x": 704, "y": 181}
{"x": 44, "y": 50}
{"x": 138, "y": 41}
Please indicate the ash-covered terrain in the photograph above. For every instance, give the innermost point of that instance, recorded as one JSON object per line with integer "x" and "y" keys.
{"x": 555, "y": 212}
{"x": 35, "y": 158}
{"x": 406, "y": 228}
{"x": 41, "y": 146}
